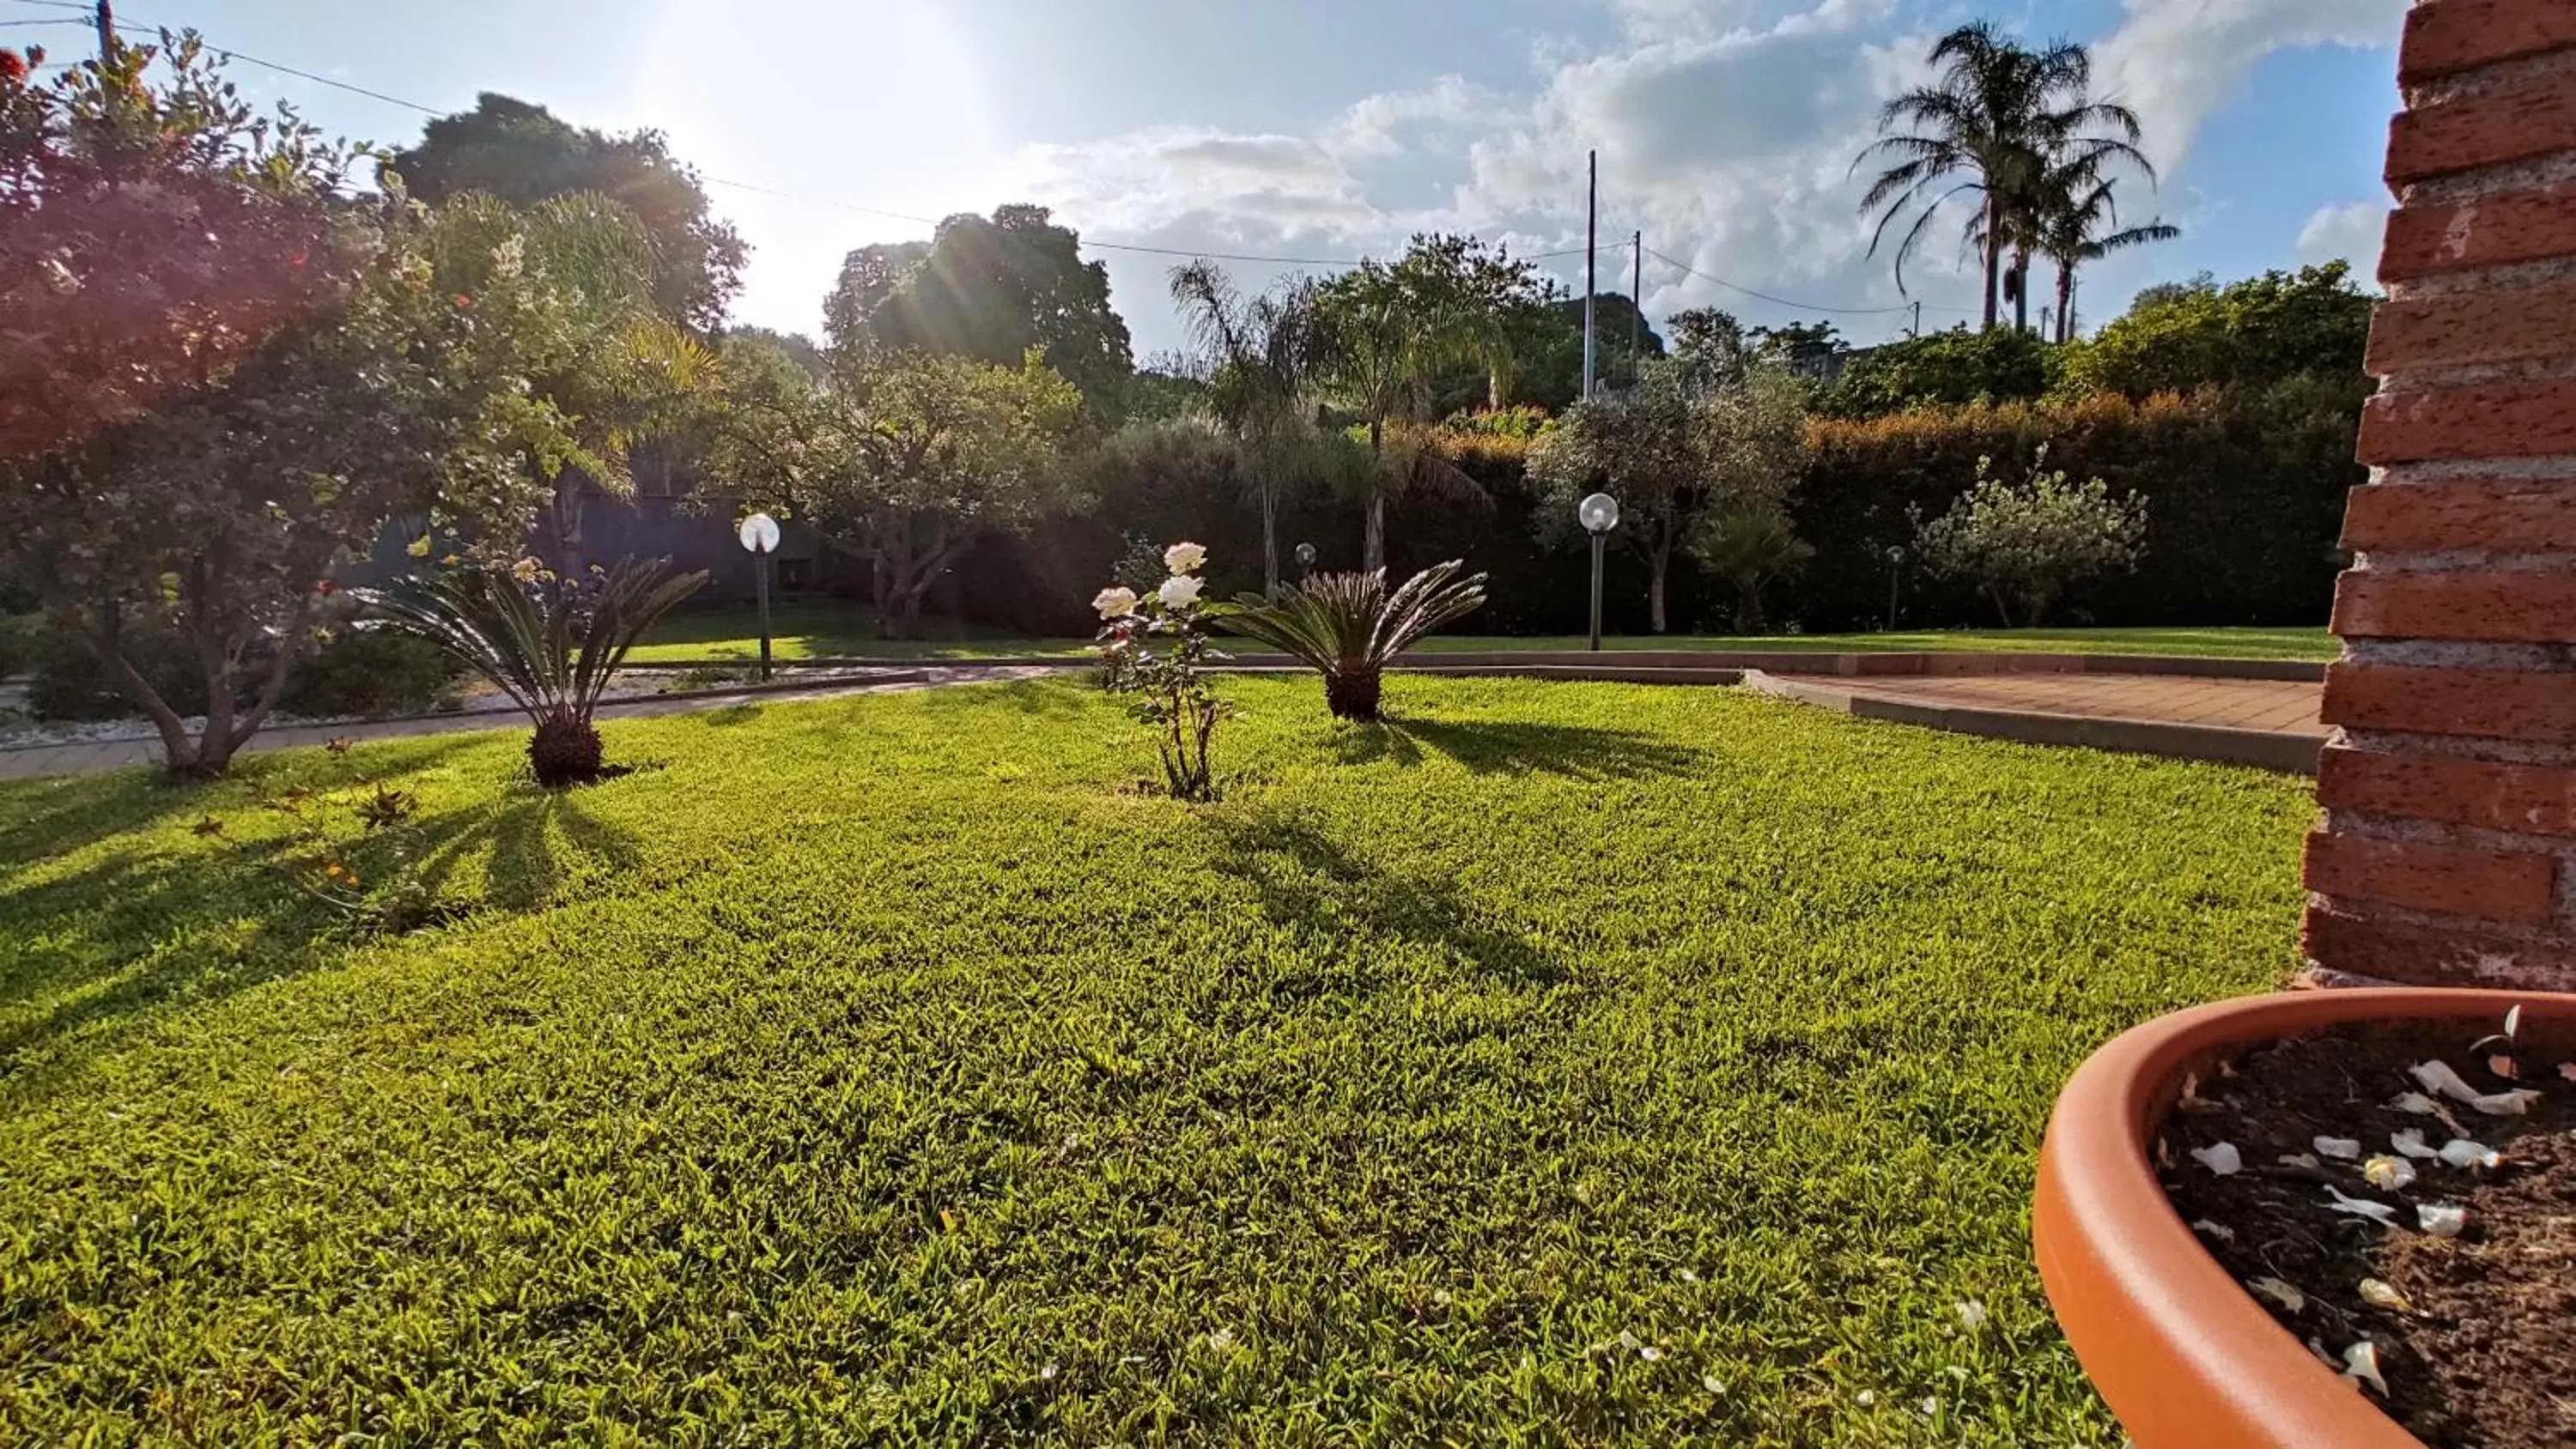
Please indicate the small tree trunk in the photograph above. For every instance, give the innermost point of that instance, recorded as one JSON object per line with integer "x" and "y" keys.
{"x": 1373, "y": 532}
{"x": 1748, "y": 609}
{"x": 1269, "y": 539}
{"x": 1660, "y": 560}
{"x": 1353, "y": 695}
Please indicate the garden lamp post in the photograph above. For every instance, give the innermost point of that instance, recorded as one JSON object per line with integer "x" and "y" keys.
{"x": 1600, "y": 514}
{"x": 1895, "y": 570}
{"x": 759, "y": 533}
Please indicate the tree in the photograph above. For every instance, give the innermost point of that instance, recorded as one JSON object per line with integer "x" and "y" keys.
{"x": 2079, "y": 222}
{"x": 1709, "y": 344}
{"x": 524, "y": 155}
{"x": 1986, "y": 129}
{"x": 1947, "y": 368}
{"x": 903, "y": 460}
{"x": 2266, "y": 330}
{"x": 1751, "y": 546}
{"x": 1392, "y": 329}
{"x": 281, "y": 404}
{"x": 989, "y": 290}
{"x": 1669, "y": 453}
{"x": 2025, "y": 543}
{"x": 1264, "y": 357}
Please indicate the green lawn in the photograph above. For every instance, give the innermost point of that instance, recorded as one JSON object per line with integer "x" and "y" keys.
{"x": 824, "y": 629}
{"x": 1567, "y": 1064}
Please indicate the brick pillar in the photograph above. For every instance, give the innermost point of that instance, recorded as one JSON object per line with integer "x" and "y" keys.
{"x": 2446, "y": 853}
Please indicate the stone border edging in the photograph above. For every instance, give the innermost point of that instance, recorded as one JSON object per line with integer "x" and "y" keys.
{"x": 1860, "y": 663}
{"x": 2288, "y": 754}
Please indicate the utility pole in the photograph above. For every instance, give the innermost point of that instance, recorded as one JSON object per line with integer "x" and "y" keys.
{"x": 106, "y": 31}
{"x": 1637, "y": 307}
{"x": 1591, "y": 258}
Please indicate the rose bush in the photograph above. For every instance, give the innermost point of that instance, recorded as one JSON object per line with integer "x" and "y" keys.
{"x": 1172, "y": 694}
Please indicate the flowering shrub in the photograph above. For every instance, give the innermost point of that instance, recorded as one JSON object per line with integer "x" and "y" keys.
{"x": 1171, "y": 693}
{"x": 2025, "y": 543}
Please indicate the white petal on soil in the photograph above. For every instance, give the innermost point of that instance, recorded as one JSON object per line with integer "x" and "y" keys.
{"x": 2567, "y": 1070}
{"x": 2515, "y": 1103}
{"x": 2220, "y": 1231}
{"x": 2417, "y": 1103}
{"x": 2361, "y": 1365}
{"x": 2360, "y": 1207}
{"x": 2438, "y": 1077}
{"x": 2461, "y": 1152}
{"x": 2307, "y": 1160}
{"x": 2384, "y": 1295}
{"x": 2222, "y": 1159}
{"x": 2411, "y": 1143}
{"x": 2388, "y": 1174}
{"x": 2342, "y": 1149}
{"x": 2513, "y": 1023}
{"x": 2441, "y": 1219}
{"x": 2285, "y": 1294}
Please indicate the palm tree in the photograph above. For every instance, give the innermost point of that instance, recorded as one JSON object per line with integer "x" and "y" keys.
{"x": 1987, "y": 129}
{"x": 1265, "y": 355}
{"x": 2071, "y": 233}
{"x": 1391, "y": 338}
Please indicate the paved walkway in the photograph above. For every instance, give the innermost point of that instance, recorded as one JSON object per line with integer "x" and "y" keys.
{"x": 40, "y": 761}
{"x": 2246, "y": 704}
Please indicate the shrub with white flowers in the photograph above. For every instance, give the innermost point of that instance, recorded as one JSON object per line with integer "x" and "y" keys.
{"x": 2026, "y": 543}
{"x": 1153, "y": 645}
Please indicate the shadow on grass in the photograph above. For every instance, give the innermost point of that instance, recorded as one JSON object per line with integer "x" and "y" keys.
{"x": 1511, "y": 747}
{"x": 100, "y": 950}
{"x": 1306, "y": 879}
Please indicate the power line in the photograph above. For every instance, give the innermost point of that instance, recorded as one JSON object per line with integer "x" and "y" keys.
{"x": 1785, "y": 302}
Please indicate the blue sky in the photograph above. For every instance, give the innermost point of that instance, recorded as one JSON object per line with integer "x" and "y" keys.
{"x": 1333, "y": 128}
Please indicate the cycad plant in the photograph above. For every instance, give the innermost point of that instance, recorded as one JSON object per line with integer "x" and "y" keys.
{"x": 1349, "y": 628}
{"x": 550, "y": 643}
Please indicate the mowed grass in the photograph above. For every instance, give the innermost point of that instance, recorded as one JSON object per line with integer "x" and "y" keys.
{"x": 1565, "y": 1064}
{"x": 822, "y": 629}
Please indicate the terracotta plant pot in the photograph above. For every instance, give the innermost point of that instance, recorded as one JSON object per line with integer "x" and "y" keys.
{"x": 2182, "y": 1354}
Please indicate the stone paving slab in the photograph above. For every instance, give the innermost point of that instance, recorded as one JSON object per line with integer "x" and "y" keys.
{"x": 2270, "y": 724}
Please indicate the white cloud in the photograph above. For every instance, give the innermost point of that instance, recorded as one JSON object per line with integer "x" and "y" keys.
{"x": 2351, "y": 232}
{"x": 2178, "y": 62}
{"x": 1390, "y": 122}
{"x": 1143, "y": 180}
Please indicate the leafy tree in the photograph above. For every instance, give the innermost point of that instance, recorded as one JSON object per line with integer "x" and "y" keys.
{"x": 1988, "y": 129}
{"x": 1751, "y": 546}
{"x": 1710, "y": 345}
{"x": 1806, "y": 348}
{"x": 2025, "y": 543}
{"x": 2314, "y": 323}
{"x": 2079, "y": 222}
{"x": 1548, "y": 349}
{"x": 1393, "y": 328}
{"x": 903, "y": 460}
{"x": 1668, "y": 453}
{"x": 524, "y": 155}
{"x": 281, "y": 404}
{"x": 1952, "y": 367}
{"x": 990, "y": 290}
{"x": 1265, "y": 358}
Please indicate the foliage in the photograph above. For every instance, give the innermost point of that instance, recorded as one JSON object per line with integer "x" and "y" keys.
{"x": 2077, "y": 221}
{"x": 1669, "y": 453}
{"x": 2254, "y": 334}
{"x": 2012, "y": 129}
{"x": 1750, "y": 545}
{"x": 551, "y": 643}
{"x": 2025, "y": 543}
{"x": 1999, "y": 364}
{"x": 1710, "y": 345}
{"x": 1600, "y": 1009}
{"x": 1348, "y": 628}
{"x": 353, "y": 672}
{"x": 216, "y": 497}
{"x": 525, "y": 156}
{"x": 904, "y": 459}
{"x": 1547, "y": 348}
{"x": 1173, "y": 693}
{"x": 368, "y": 673}
{"x": 989, "y": 291}
{"x": 1265, "y": 358}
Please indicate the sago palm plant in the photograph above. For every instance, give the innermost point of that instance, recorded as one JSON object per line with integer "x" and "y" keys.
{"x": 1349, "y": 628}
{"x": 550, "y": 643}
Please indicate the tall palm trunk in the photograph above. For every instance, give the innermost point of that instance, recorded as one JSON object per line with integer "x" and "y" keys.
{"x": 2021, "y": 289}
{"x": 1373, "y": 520}
{"x": 1994, "y": 260}
{"x": 2065, "y": 301}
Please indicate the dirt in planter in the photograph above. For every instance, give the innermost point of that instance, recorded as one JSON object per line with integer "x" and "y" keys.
{"x": 2482, "y": 1352}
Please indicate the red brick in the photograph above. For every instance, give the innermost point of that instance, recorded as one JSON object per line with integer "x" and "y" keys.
{"x": 2505, "y": 420}
{"x": 2486, "y": 794}
{"x": 2492, "y": 703}
{"x": 2485, "y": 513}
{"x": 2515, "y": 123}
{"x": 2436, "y": 956}
{"x": 2493, "y": 231}
{"x": 2447, "y": 36}
{"x": 2520, "y": 608}
{"x": 2455, "y": 880}
{"x": 2507, "y": 326}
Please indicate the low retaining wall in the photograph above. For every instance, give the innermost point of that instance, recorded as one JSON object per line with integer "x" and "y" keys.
{"x": 1860, "y": 664}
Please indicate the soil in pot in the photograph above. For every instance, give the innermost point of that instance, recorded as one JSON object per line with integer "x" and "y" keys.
{"x": 2474, "y": 1333}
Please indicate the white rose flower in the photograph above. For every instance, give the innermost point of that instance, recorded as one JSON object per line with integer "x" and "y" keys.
{"x": 1184, "y": 558}
{"x": 1180, "y": 591}
{"x": 1115, "y": 603}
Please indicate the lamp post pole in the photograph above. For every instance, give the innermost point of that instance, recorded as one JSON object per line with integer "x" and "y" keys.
{"x": 759, "y": 534}
{"x": 1598, "y": 514}
{"x": 1895, "y": 571}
